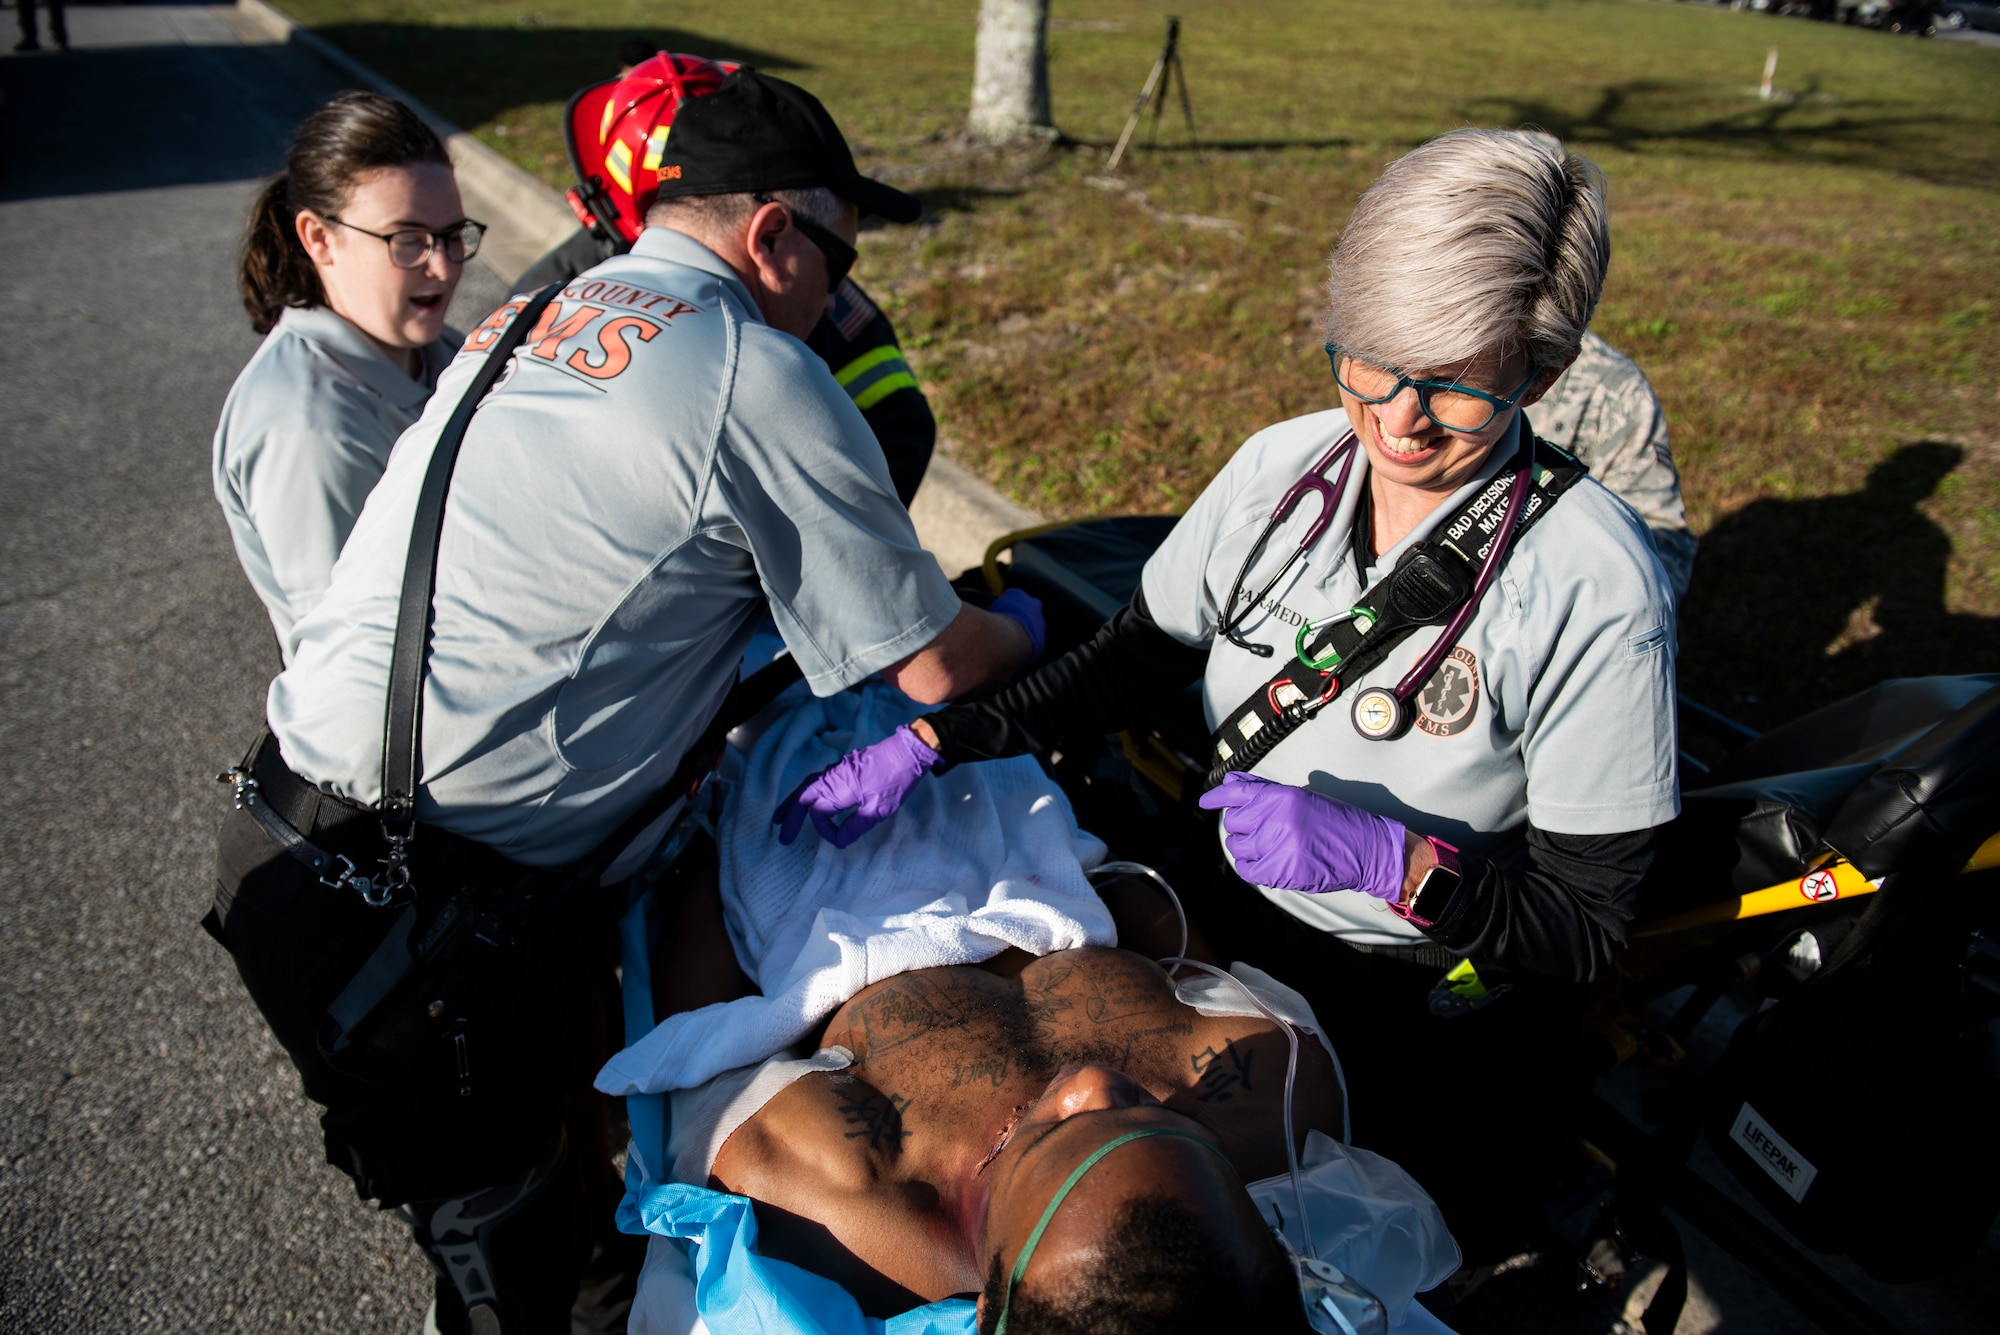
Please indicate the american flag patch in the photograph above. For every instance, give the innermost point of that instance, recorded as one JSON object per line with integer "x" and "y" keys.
{"x": 852, "y": 311}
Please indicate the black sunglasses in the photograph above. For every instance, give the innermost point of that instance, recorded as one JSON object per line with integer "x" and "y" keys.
{"x": 840, "y": 256}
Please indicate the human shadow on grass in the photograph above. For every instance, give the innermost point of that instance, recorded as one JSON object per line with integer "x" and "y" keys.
{"x": 472, "y": 75}
{"x": 1798, "y": 603}
{"x": 1940, "y": 149}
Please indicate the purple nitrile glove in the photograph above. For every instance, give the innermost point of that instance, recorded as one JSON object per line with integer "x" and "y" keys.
{"x": 874, "y": 781}
{"x": 1025, "y": 610}
{"x": 1295, "y": 839}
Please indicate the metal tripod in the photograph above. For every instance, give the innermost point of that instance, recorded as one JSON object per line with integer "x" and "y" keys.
{"x": 1167, "y": 69}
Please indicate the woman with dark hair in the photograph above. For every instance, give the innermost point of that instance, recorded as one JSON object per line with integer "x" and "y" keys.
{"x": 351, "y": 258}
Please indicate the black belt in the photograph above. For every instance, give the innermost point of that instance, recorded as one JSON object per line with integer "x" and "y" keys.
{"x": 332, "y": 836}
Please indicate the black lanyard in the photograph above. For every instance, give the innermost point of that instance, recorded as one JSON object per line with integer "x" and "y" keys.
{"x": 1437, "y": 582}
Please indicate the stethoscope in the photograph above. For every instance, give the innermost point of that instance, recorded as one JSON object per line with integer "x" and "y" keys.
{"x": 1380, "y": 713}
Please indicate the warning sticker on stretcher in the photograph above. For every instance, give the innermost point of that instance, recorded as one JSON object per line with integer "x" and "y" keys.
{"x": 1819, "y": 887}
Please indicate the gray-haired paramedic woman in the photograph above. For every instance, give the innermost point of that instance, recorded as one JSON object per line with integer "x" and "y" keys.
{"x": 1490, "y": 788}
{"x": 351, "y": 258}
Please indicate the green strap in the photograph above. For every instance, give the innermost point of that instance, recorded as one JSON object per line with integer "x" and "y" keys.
{"x": 1076, "y": 1176}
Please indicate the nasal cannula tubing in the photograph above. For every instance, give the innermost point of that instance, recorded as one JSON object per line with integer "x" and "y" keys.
{"x": 1289, "y": 1030}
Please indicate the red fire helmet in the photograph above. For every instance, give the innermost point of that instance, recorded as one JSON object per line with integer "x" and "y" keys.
{"x": 617, "y": 130}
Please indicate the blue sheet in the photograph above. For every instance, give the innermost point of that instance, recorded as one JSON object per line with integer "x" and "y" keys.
{"x": 741, "y": 1293}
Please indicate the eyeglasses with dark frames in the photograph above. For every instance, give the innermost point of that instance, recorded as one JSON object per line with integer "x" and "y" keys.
{"x": 1453, "y": 406}
{"x": 840, "y": 256}
{"x": 409, "y": 248}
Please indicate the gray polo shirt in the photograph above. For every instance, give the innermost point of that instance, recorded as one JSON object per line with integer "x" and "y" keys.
{"x": 657, "y": 465}
{"x": 305, "y": 434}
{"x": 1556, "y": 706}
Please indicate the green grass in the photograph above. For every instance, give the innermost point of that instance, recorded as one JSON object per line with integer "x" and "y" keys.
{"x": 1811, "y": 283}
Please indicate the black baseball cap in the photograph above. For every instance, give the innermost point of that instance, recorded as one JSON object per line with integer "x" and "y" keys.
{"x": 758, "y": 133}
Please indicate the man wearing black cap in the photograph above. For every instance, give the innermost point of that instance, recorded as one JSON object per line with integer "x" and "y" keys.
{"x": 662, "y": 467}
{"x": 616, "y": 189}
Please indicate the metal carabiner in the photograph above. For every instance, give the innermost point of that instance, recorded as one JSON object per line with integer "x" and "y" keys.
{"x": 1311, "y": 629}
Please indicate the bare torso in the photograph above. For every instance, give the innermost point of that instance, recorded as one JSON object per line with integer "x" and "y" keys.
{"x": 869, "y": 1176}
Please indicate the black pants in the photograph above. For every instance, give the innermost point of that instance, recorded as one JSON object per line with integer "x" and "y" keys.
{"x": 397, "y": 1117}
{"x": 58, "y": 30}
{"x": 1473, "y": 1107}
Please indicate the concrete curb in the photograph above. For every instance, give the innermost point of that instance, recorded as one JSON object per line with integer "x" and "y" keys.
{"x": 956, "y": 514}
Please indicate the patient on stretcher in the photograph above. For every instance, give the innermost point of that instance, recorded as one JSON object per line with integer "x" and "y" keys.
{"x": 911, "y": 1157}
{"x": 904, "y": 1126}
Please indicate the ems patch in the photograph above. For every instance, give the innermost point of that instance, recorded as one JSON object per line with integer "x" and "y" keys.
{"x": 1450, "y": 699}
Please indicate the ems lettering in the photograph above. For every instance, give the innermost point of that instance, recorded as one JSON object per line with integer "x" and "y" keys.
{"x": 548, "y": 335}
{"x": 617, "y": 352}
{"x": 585, "y": 342}
{"x": 489, "y": 329}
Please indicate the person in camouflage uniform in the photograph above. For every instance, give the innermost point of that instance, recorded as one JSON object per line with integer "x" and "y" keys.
{"x": 1603, "y": 410}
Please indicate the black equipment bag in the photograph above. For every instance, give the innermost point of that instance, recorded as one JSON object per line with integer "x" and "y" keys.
{"x": 1860, "y": 1109}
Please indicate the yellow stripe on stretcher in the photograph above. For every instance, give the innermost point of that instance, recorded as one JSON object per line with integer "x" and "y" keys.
{"x": 1839, "y": 879}
{"x": 619, "y": 163}
{"x": 656, "y": 144}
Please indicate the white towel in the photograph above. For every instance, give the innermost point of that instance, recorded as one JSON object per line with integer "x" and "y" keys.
{"x": 984, "y": 857}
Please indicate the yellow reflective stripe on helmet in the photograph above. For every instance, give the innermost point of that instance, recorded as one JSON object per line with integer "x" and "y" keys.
{"x": 656, "y": 145}
{"x": 619, "y": 163}
{"x": 883, "y": 388}
{"x": 604, "y": 125}
{"x": 867, "y": 362}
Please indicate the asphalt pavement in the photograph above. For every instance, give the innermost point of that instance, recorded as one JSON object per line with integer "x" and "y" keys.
{"x": 159, "y": 1169}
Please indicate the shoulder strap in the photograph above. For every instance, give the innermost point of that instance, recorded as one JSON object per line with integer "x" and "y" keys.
{"x": 1429, "y": 585}
{"x": 402, "y": 725}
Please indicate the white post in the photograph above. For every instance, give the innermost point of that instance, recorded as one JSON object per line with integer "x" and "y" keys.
{"x": 1770, "y": 73}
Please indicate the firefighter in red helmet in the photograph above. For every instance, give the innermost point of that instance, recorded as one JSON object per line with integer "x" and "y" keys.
{"x": 616, "y": 131}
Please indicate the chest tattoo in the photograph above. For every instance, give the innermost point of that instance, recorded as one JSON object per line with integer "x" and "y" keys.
{"x": 992, "y": 1069}
{"x": 1223, "y": 1073}
{"x": 878, "y": 1118}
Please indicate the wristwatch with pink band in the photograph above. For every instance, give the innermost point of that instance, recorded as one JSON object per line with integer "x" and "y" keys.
{"x": 1440, "y": 883}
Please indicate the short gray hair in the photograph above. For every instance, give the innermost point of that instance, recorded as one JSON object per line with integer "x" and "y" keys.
{"x": 704, "y": 215}
{"x": 1480, "y": 240}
